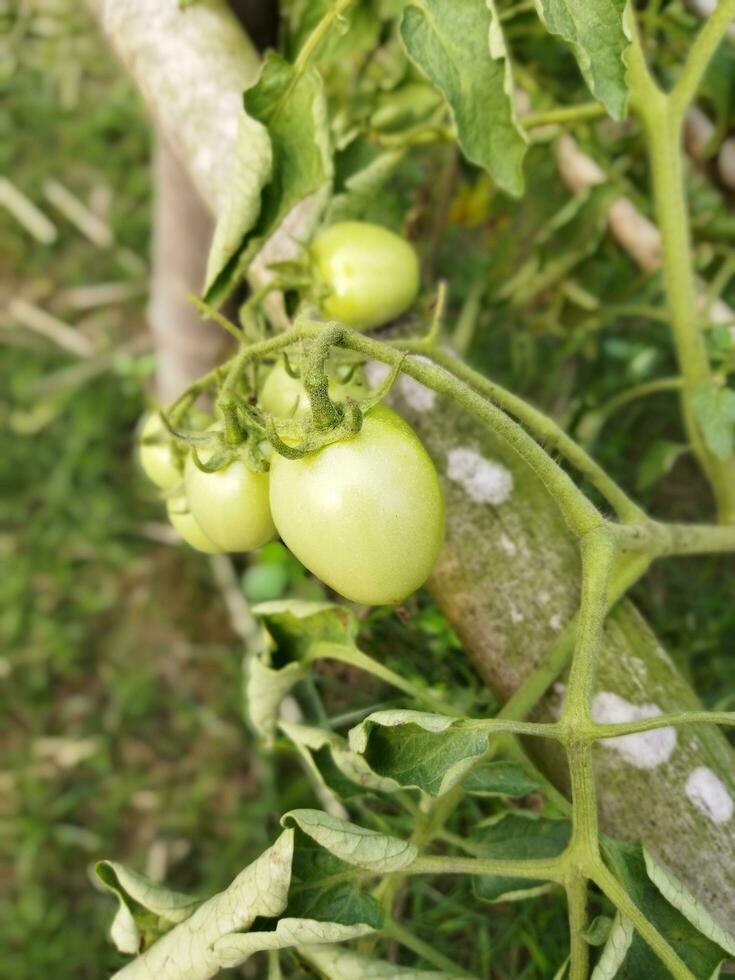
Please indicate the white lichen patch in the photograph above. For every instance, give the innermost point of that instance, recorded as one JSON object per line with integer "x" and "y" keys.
{"x": 555, "y": 621}
{"x": 544, "y": 597}
{"x": 418, "y": 396}
{"x": 644, "y": 750}
{"x": 516, "y": 616}
{"x": 376, "y": 372}
{"x": 485, "y": 481}
{"x": 709, "y": 794}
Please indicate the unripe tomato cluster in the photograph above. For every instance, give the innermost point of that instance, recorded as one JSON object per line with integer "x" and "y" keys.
{"x": 364, "y": 514}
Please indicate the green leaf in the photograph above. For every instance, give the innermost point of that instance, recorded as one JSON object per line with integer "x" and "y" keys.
{"x": 658, "y": 460}
{"x": 292, "y": 108}
{"x": 338, "y": 963}
{"x": 189, "y": 951}
{"x": 252, "y": 168}
{"x": 419, "y": 750}
{"x": 358, "y": 192}
{"x": 146, "y": 908}
{"x": 594, "y": 29}
{"x": 701, "y": 954}
{"x": 353, "y": 844}
{"x": 449, "y": 43}
{"x": 345, "y": 772}
{"x": 518, "y": 836}
{"x": 715, "y": 411}
{"x": 500, "y": 779}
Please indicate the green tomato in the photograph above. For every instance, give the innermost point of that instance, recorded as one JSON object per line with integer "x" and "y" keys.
{"x": 371, "y": 274}
{"x": 156, "y": 454}
{"x": 284, "y": 396}
{"x": 365, "y": 515}
{"x": 183, "y": 521}
{"x": 231, "y": 505}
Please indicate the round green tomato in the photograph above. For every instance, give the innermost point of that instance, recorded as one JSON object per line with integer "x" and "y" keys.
{"x": 285, "y": 397}
{"x": 231, "y": 505}
{"x": 371, "y": 274}
{"x": 184, "y": 522}
{"x": 156, "y": 454}
{"x": 365, "y": 515}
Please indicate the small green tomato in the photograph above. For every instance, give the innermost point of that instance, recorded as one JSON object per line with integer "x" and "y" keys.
{"x": 371, "y": 274}
{"x": 365, "y": 515}
{"x": 183, "y": 521}
{"x": 284, "y": 396}
{"x": 156, "y": 455}
{"x": 230, "y": 505}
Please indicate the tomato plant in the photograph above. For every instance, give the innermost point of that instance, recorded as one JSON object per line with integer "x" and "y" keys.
{"x": 543, "y": 543}
{"x": 284, "y": 395}
{"x": 365, "y": 515}
{"x": 369, "y": 274}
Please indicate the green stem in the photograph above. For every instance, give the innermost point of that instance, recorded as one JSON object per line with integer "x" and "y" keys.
{"x": 620, "y": 898}
{"x": 632, "y": 394}
{"x": 543, "y": 428}
{"x": 598, "y": 554}
{"x": 576, "y": 889}
{"x": 394, "y": 930}
{"x": 662, "y": 118}
{"x": 657, "y": 539}
{"x": 700, "y": 55}
{"x": 551, "y": 869}
{"x": 596, "y": 731}
{"x": 564, "y": 115}
{"x": 356, "y": 658}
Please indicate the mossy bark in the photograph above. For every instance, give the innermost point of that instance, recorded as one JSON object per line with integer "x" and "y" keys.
{"x": 508, "y": 578}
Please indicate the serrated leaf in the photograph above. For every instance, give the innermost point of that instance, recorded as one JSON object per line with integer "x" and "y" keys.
{"x": 329, "y": 752}
{"x": 615, "y": 951}
{"x": 338, "y": 963}
{"x": 292, "y": 108}
{"x": 460, "y": 47}
{"x": 236, "y": 948}
{"x": 418, "y": 749}
{"x": 701, "y": 954}
{"x": 189, "y": 950}
{"x": 715, "y": 411}
{"x": 518, "y": 836}
{"x": 353, "y": 844}
{"x": 500, "y": 779}
{"x": 252, "y": 168}
{"x": 683, "y": 900}
{"x": 596, "y": 33}
{"x": 146, "y": 908}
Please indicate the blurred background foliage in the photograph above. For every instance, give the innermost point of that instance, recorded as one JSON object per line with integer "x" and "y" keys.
{"x": 122, "y": 727}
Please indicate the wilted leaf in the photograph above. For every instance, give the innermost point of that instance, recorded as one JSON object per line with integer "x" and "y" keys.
{"x": 500, "y": 779}
{"x": 189, "y": 950}
{"x": 292, "y": 108}
{"x": 353, "y": 844}
{"x": 147, "y": 908}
